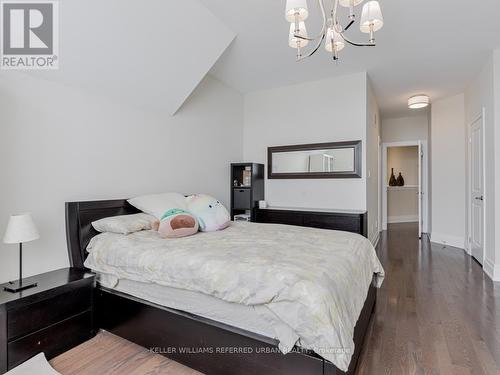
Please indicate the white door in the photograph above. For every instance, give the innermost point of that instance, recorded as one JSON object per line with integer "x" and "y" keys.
{"x": 420, "y": 192}
{"x": 476, "y": 190}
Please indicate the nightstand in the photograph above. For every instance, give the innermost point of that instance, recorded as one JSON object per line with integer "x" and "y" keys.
{"x": 53, "y": 317}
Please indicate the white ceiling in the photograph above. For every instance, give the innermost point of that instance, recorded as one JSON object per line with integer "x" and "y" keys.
{"x": 151, "y": 54}
{"x": 426, "y": 46}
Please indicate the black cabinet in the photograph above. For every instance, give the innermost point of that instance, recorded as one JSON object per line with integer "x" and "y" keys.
{"x": 247, "y": 188}
{"x": 52, "y": 318}
{"x": 348, "y": 221}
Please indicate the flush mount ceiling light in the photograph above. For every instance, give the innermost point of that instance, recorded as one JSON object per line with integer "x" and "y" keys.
{"x": 332, "y": 32}
{"x": 418, "y": 101}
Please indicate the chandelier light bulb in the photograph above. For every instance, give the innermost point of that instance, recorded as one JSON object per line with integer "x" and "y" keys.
{"x": 371, "y": 17}
{"x": 296, "y": 10}
{"x": 337, "y": 44}
{"x": 295, "y": 42}
{"x": 350, "y": 4}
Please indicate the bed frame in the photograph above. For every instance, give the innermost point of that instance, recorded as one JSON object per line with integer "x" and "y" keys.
{"x": 200, "y": 343}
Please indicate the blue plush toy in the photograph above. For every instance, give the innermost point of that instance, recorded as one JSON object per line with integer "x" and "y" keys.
{"x": 211, "y": 214}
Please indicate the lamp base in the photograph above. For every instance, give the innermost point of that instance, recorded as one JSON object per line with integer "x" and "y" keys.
{"x": 14, "y": 287}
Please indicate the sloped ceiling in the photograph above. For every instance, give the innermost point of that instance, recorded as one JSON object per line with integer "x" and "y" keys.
{"x": 154, "y": 52}
{"x": 426, "y": 46}
{"x": 149, "y": 53}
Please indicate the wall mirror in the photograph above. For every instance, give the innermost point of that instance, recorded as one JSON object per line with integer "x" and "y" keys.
{"x": 319, "y": 160}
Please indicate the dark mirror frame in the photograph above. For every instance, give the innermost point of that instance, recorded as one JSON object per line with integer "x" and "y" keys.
{"x": 316, "y": 146}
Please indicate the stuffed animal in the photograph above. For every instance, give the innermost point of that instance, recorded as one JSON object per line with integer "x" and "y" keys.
{"x": 177, "y": 223}
{"x": 211, "y": 214}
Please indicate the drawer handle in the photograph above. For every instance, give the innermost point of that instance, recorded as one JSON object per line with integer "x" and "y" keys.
{"x": 242, "y": 191}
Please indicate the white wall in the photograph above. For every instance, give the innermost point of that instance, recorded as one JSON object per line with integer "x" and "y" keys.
{"x": 448, "y": 171}
{"x": 322, "y": 111}
{"x": 495, "y": 272}
{"x": 372, "y": 164}
{"x": 410, "y": 128}
{"x": 59, "y": 144}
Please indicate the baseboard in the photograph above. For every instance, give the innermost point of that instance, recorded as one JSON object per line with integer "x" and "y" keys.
{"x": 491, "y": 269}
{"x": 445, "y": 239}
{"x": 402, "y": 219}
{"x": 374, "y": 239}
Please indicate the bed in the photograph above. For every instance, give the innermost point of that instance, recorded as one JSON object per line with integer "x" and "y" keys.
{"x": 155, "y": 304}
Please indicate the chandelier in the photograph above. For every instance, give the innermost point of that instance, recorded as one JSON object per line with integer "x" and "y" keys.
{"x": 332, "y": 32}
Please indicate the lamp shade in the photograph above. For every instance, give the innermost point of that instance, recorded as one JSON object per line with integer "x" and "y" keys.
{"x": 418, "y": 101}
{"x": 21, "y": 228}
{"x": 371, "y": 15}
{"x": 292, "y": 40}
{"x": 298, "y": 7}
{"x": 348, "y": 3}
{"x": 338, "y": 41}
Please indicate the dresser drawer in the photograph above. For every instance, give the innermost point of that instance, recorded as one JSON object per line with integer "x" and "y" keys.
{"x": 337, "y": 222}
{"x": 35, "y": 316}
{"x": 52, "y": 340}
{"x": 279, "y": 217}
{"x": 241, "y": 199}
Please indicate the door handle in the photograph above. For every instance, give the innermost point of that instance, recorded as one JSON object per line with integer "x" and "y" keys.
{"x": 480, "y": 198}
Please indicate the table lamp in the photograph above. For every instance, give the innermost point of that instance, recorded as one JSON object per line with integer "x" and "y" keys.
{"x": 20, "y": 229}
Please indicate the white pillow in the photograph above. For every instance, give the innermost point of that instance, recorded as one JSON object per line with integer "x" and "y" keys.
{"x": 125, "y": 224}
{"x": 158, "y": 204}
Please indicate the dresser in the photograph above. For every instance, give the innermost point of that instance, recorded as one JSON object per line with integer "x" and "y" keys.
{"x": 52, "y": 318}
{"x": 345, "y": 220}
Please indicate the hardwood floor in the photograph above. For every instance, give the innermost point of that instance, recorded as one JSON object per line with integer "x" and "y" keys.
{"x": 111, "y": 355}
{"x": 436, "y": 313}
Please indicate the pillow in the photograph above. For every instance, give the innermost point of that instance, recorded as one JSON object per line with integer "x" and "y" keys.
{"x": 211, "y": 214}
{"x": 177, "y": 223}
{"x": 125, "y": 224}
{"x": 158, "y": 204}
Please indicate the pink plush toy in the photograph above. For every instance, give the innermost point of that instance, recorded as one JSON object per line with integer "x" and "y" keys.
{"x": 177, "y": 223}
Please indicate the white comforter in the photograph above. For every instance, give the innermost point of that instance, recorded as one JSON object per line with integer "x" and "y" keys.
{"x": 314, "y": 280}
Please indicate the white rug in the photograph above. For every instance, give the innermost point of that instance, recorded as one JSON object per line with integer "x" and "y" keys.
{"x": 37, "y": 365}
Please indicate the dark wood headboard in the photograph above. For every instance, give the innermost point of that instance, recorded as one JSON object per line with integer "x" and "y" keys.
{"x": 79, "y": 218}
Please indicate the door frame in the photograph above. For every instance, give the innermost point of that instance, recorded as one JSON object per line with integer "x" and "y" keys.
{"x": 424, "y": 183}
{"x": 482, "y": 117}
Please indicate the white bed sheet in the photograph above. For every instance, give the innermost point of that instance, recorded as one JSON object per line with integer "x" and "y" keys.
{"x": 314, "y": 281}
{"x": 257, "y": 319}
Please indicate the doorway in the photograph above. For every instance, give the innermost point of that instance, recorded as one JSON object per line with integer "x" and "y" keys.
{"x": 404, "y": 184}
{"x": 476, "y": 189}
